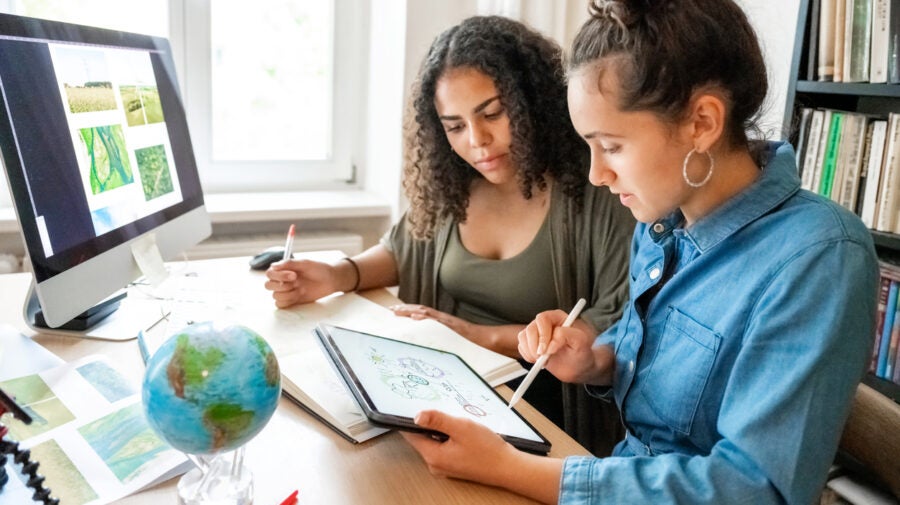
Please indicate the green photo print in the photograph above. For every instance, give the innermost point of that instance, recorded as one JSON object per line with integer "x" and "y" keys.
{"x": 91, "y": 97}
{"x": 109, "y": 166}
{"x": 142, "y": 105}
{"x": 154, "y": 169}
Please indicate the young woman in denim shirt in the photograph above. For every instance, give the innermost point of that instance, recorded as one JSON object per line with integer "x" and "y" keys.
{"x": 752, "y": 301}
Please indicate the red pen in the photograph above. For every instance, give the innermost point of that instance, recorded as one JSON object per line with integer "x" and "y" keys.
{"x": 292, "y": 499}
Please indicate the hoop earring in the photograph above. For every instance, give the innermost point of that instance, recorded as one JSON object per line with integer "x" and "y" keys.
{"x": 684, "y": 174}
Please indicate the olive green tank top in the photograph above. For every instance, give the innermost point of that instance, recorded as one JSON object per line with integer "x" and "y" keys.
{"x": 507, "y": 291}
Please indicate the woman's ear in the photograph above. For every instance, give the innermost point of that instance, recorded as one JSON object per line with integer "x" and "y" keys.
{"x": 706, "y": 120}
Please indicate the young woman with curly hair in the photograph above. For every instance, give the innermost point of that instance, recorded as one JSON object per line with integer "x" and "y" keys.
{"x": 502, "y": 223}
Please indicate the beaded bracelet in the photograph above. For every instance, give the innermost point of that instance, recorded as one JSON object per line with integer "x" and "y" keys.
{"x": 355, "y": 267}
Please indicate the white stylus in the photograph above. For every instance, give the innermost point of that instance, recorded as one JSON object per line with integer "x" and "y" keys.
{"x": 541, "y": 361}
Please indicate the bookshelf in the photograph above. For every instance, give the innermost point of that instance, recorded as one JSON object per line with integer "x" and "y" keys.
{"x": 878, "y": 99}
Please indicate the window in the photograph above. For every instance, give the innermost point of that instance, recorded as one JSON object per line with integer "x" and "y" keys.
{"x": 273, "y": 89}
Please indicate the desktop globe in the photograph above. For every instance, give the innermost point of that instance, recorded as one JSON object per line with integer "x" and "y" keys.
{"x": 211, "y": 388}
{"x": 207, "y": 391}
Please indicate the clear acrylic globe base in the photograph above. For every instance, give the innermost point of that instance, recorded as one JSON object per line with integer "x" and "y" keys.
{"x": 220, "y": 479}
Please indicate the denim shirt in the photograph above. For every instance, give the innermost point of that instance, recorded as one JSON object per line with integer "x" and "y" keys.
{"x": 739, "y": 351}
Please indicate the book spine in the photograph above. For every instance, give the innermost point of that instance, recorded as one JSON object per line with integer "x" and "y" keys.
{"x": 831, "y": 151}
{"x": 812, "y": 43}
{"x": 896, "y": 375}
{"x": 812, "y": 148}
{"x": 892, "y": 346}
{"x": 873, "y": 178}
{"x": 857, "y": 42}
{"x": 854, "y": 145}
{"x": 826, "y": 40}
{"x": 840, "y": 16}
{"x": 864, "y": 167}
{"x": 820, "y": 151}
{"x": 890, "y": 178}
{"x": 840, "y": 170}
{"x": 879, "y": 52}
{"x": 885, "y": 340}
{"x": 894, "y": 42}
{"x": 883, "y": 291}
{"x": 802, "y": 138}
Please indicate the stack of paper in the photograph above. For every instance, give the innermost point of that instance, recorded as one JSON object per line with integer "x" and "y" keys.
{"x": 88, "y": 433}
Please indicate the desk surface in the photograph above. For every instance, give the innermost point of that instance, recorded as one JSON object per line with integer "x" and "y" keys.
{"x": 295, "y": 451}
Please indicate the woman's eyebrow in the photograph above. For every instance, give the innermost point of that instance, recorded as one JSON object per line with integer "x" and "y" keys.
{"x": 478, "y": 108}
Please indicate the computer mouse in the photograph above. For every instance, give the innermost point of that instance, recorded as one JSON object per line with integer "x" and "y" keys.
{"x": 262, "y": 260}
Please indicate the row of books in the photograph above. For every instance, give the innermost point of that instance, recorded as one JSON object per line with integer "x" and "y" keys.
{"x": 854, "y": 41}
{"x": 885, "y": 362}
{"x": 854, "y": 159}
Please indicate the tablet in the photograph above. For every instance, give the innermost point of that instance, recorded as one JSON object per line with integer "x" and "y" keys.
{"x": 393, "y": 381}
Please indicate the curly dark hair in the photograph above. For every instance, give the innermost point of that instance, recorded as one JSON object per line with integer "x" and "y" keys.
{"x": 528, "y": 71}
{"x": 665, "y": 50}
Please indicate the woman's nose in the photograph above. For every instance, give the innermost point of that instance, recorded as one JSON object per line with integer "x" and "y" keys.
{"x": 479, "y": 136}
{"x": 600, "y": 174}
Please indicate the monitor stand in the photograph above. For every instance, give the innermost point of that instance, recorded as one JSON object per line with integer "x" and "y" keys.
{"x": 84, "y": 324}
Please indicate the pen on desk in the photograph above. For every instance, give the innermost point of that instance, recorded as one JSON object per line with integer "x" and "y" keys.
{"x": 542, "y": 360}
{"x": 292, "y": 499}
{"x": 289, "y": 244}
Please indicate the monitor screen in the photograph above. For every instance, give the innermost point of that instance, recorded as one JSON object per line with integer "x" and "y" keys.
{"x": 96, "y": 150}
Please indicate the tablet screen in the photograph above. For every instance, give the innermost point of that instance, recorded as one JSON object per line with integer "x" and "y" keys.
{"x": 396, "y": 380}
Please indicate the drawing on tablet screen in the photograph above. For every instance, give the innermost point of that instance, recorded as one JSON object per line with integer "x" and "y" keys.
{"x": 410, "y": 377}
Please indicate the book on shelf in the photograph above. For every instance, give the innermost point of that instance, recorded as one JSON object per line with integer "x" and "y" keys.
{"x": 803, "y": 132}
{"x": 878, "y": 56}
{"x": 853, "y": 143}
{"x": 840, "y": 14}
{"x": 886, "y": 360}
{"x": 820, "y": 151}
{"x": 884, "y": 289}
{"x": 829, "y": 161}
{"x": 813, "y": 139}
{"x": 889, "y": 193}
{"x": 874, "y": 165}
{"x": 893, "y": 66}
{"x": 812, "y": 41}
{"x": 825, "y": 40}
{"x": 88, "y": 434}
{"x": 857, "y": 40}
{"x": 883, "y": 341}
{"x": 895, "y": 376}
{"x": 864, "y": 167}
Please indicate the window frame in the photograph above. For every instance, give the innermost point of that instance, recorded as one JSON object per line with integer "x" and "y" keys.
{"x": 191, "y": 48}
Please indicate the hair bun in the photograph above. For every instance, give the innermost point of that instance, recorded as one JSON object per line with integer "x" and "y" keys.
{"x": 626, "y": 12}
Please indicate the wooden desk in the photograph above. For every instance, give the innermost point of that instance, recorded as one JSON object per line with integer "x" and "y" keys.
{"x": 295, "y": 451}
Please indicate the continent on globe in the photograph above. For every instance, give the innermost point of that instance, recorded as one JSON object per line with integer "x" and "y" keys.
{"x": 211, "y": 388}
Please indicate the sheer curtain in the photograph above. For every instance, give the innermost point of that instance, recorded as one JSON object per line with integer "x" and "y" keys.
{"x": 559, "y": 19}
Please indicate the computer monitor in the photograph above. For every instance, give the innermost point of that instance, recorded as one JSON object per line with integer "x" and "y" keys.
{"x": 96, "y": 151}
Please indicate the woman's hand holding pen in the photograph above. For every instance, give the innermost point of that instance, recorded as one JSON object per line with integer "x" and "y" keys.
{"x": 301, "y": 281}
{"x": 573, "y": 357}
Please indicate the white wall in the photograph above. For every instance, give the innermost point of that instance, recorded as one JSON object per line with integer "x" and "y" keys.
{"x": 775, "y": 23}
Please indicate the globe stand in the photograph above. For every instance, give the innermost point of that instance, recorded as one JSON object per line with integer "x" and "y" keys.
{"x": 220, "y": 479}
